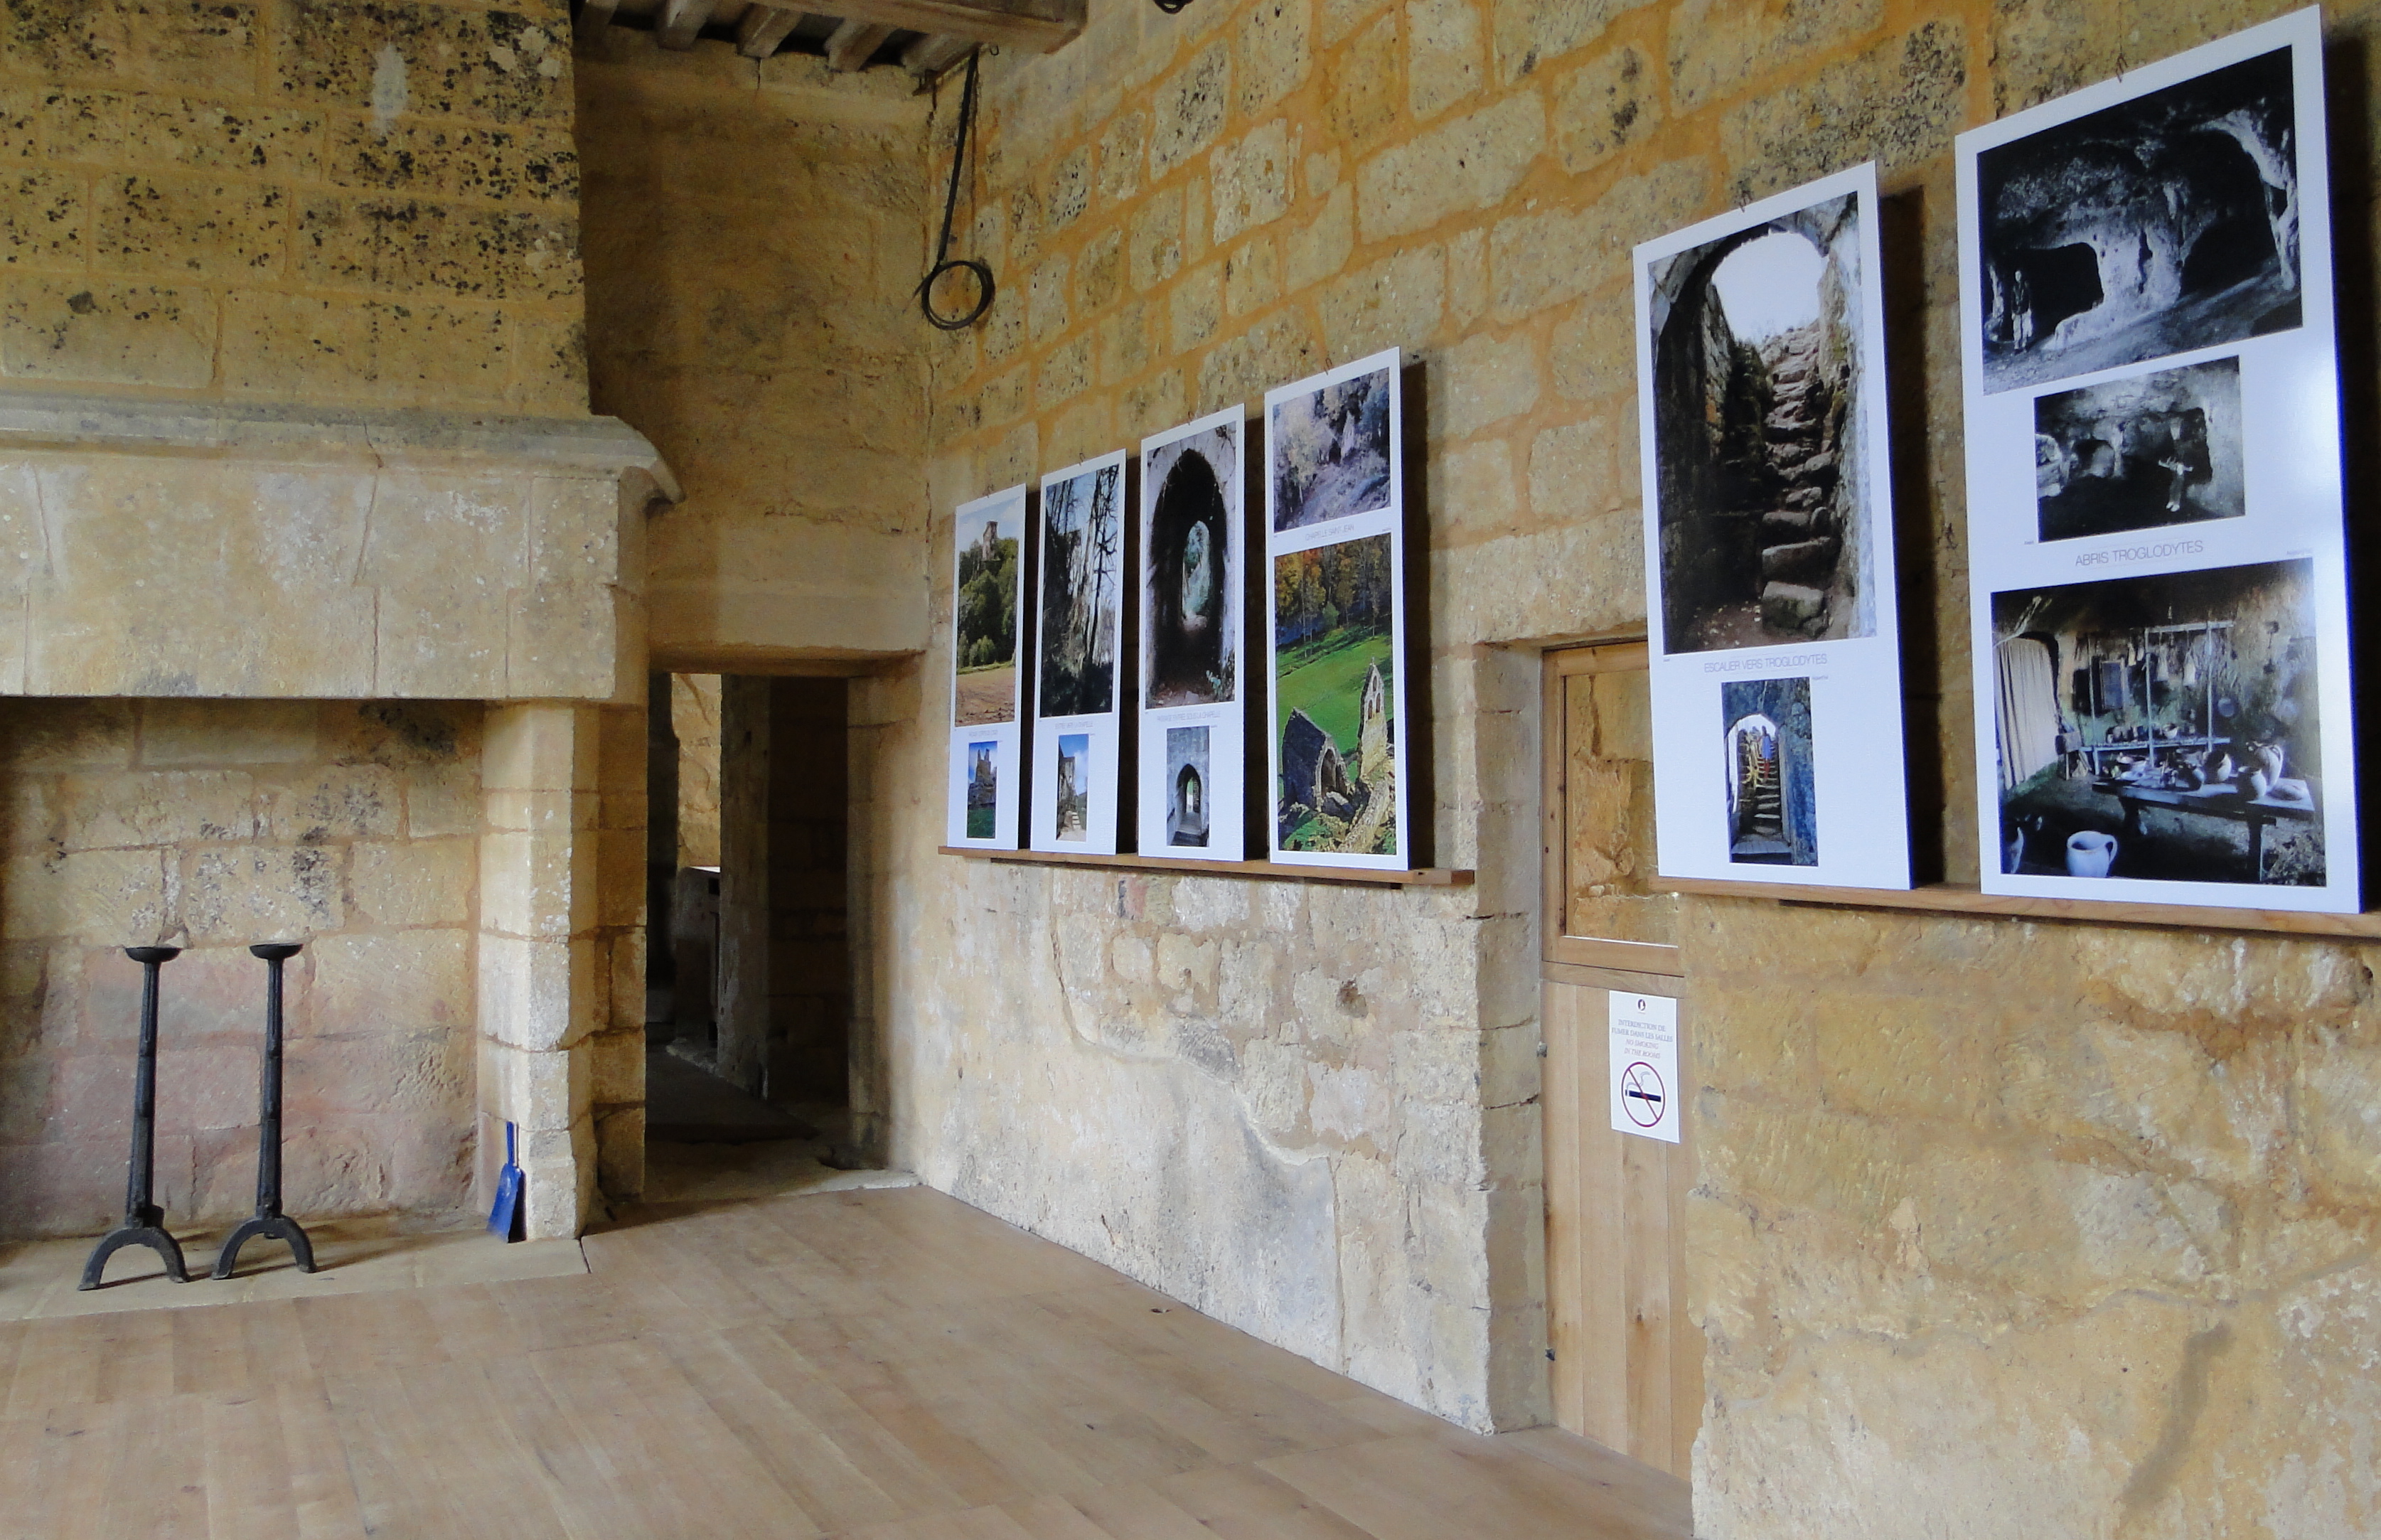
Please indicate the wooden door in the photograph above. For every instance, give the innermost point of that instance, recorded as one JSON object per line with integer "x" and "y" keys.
{"x": 1627, "y": 1364}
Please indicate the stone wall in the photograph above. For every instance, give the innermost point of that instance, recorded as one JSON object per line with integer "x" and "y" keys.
{"x": 353, "y": 826}
{"x": 756, "y": 231}
{"x": 2001, "y": 1229}
{"x": 318, "y": 201}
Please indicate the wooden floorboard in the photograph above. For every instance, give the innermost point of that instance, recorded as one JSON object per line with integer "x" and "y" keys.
{"x": 884, "y": 1365}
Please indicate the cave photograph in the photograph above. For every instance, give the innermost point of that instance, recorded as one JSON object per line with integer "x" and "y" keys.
{"x": 1191, "y": 587}
{"x": 1186, "y": 787}
{"x": 1329, "y": 451}
{"x": 2163, "y": 728}
{"x": 2161, "y": 225}
{"x": 1763, "y": 495}
{"x": 2140, "y": 452}
{"x": 1772, "y": 779}
{"x": 1082, "y": 582}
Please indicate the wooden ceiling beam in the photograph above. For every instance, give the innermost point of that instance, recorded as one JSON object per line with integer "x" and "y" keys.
{"x": 853, "y": 43}
{"x": 933, "y": 54}
{"x": 1036, "y": 26}
{"x": 762, "y": 29}
{"x": 680, "y": 21}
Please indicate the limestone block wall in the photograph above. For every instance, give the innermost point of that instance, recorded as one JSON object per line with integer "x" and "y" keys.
{"x": 291, "y": 200}
{"x": 756, "y": 231}
{"x": 2001, "y": 1229}
{"x": 352, "y": 827}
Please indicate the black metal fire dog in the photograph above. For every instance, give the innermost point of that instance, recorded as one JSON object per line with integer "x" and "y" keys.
{"x": 143, "y": 1221}
{"x": 269, "y": 1222}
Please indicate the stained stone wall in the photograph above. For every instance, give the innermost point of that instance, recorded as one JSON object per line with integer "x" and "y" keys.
{"x": 322, "y": 201}
{"x": 754, "y": 233}
{"x": 2001, "y": 1229}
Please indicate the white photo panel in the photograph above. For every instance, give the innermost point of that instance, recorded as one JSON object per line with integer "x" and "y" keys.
{"x": 2156, "y": 554}
{"x": 987, "y": 619}
{"x": 1079, "y": 659}
{"x": 1775, "y": 653}
{"x": 1192, "y": 583}
{"x": 1338, "y": 734}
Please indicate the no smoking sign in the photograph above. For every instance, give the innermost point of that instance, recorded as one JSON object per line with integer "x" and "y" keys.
{"x": 1644, "y": 1060}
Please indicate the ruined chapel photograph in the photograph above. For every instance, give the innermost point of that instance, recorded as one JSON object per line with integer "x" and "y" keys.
{"x": 1334, "y": 661}
{"x": 1190, "y": 594}
{"x": 1082, "y": 580}
{"x": 985, "y": 646}
{"x": 1763, "y": 497}
{"x": 1329, "y": 451}
{"x": 983, "y": 789}
{"x": 2140, "y": 452}
{"x": 1772, "y": 778}
{"x": 2162, "y": 727}
{"x": 2163, "y": 224}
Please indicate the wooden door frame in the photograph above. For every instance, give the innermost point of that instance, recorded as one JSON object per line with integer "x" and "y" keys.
{"x": 1561, "y": 948}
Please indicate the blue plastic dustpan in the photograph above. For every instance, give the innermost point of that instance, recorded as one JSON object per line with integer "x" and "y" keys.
{"x": 505, "y": 1217}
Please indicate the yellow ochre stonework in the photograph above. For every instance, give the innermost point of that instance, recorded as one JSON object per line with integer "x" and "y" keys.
{"x": 328, "y": 201}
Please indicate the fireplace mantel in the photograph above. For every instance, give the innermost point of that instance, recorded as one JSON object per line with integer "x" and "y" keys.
{"x": 179, "y": 548}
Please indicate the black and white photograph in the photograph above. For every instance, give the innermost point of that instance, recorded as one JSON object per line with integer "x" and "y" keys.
{"x": 1771, "y": 772}
{"x": 2165, "y": 728}
{"x": 1764, "y": 525}
{"x": 1082, "y": 580}
{"x": 2140, "y": 452}
{"x": 2163, "y": 224}
{"x": 1186, "y": 788}
{"x": 1330, "y": 450}
{"x": 1190, "y": 588}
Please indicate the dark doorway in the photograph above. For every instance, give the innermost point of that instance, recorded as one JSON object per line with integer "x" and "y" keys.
{"x": 750, "y": 998}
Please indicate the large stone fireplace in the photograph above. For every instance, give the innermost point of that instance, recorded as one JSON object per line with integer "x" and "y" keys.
{"x": 370, "y": 679}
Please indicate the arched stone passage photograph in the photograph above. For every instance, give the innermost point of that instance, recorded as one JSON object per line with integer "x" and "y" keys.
{"x": 1772, "y": 781}
{"x": 1193, "y": 576}
{"x": 1756, "y": 379}
{"x": 2167, "y": 223}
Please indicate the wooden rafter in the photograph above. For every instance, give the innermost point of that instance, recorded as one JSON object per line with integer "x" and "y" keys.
{"x": 932, "y": 55}
{"x": 1036, "y": 26}
{"x": 679, "y": 20}
{"x": 853, "y": 43}
{"x": 762, "y": 29}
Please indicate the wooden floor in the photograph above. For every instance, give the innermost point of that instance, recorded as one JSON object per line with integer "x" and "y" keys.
{"x": 890, "y": 1364}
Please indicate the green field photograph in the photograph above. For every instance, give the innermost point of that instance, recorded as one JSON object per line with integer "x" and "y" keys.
{"x": 1335, "y": 669}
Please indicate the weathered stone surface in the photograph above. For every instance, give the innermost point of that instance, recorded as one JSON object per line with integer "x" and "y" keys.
{"x": 1605, "y": 107}
{"x": 1467, "y": 163}
{"x": 109, "y": 333}
{"x": 1250, "y": 182}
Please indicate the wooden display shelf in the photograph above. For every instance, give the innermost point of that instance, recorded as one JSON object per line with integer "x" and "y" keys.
{"x": 1955, "y": 897}
{"x": 1424, "y": 876}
